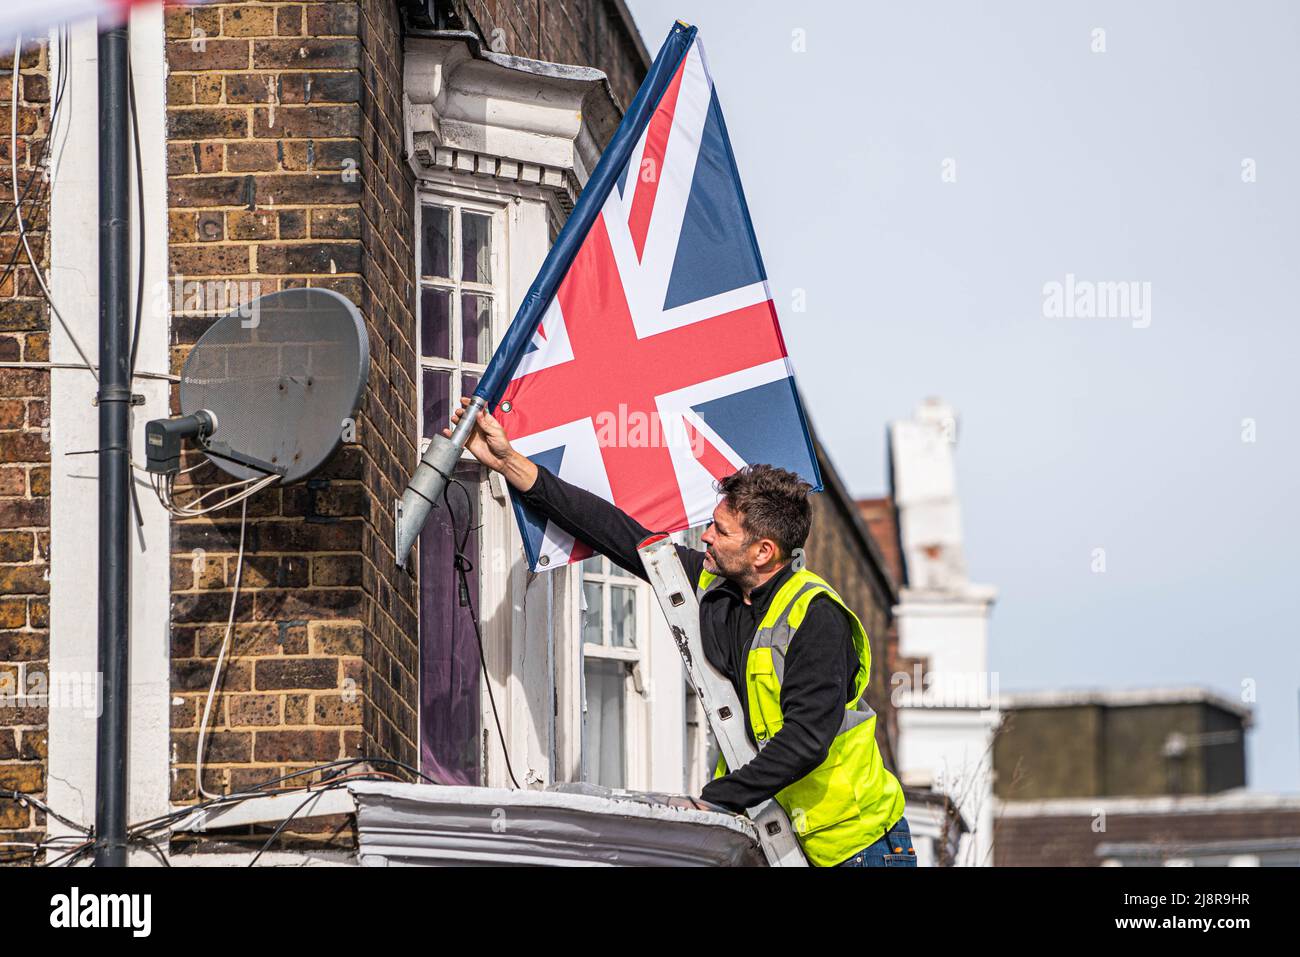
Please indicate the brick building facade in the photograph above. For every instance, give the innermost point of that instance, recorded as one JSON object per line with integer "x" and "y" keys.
{"x": 24, "y": 450}
{"x": 843, "y": 550}
{"x": 312, "y": 144}
{"x": 1135, "y": 777}
{"x": 285, "y": 169}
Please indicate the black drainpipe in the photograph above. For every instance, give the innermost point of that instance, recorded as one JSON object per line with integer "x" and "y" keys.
{"x": 114, "y": 400}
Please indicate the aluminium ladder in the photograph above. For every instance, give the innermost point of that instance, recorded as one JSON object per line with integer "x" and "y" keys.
{"x": 726, "y": 717}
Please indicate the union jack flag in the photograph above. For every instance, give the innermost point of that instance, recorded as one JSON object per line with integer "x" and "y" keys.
{"x": 658, "y": 365}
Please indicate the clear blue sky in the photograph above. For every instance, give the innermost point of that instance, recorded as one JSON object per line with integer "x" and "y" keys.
{"x": 1076, "y": 434}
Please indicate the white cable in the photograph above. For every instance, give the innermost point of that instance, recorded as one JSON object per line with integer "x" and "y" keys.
{"x": 189, "y": 468}
{"x": 241, "y": 484}
{"x": 166, "y": 493}
{"x": 187, "y": 510}
{"x": 81, "y": 365}
{"x": 225, "y": 642}
{"x": 18, "y": 211}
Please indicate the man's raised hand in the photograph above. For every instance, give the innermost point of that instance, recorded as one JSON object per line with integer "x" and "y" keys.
{"x": 488, "y": 442}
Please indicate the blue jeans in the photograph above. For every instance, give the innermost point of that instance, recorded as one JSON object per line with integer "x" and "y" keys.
{"x": 894, "y": 849}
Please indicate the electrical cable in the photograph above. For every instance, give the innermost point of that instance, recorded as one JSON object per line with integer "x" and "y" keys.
{"x": 166, "y": 494}
{"x": 71, "y": 856}
{"x": 139, "y": 230}
{"x": 18, "y": 213}
{"x": 265, "y": 788}
{"x": 23, "y": 798}
{"x": 225, "y": 642}
{"x": 331, "y": 786}
{"x": 139, "y": 833}
{"x": 235, "y": 499}
{"x": 74, "y": 853}
{"x": 315, "y": 796}
{"x": 12, "y": 265}
{"x": 463, "y": 568}
{"x": 191, "y": 507}
{"x": 40, "y": 157}
{"x": 81, "y": 365}
{"x": 162, "y": 855}
{"x": 45, "y": 143}
{"x": 314, "y": 793}
{"x": 38, "y": 848}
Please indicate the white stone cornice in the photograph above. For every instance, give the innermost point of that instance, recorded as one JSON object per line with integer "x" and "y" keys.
{"x": 488, "y": 114}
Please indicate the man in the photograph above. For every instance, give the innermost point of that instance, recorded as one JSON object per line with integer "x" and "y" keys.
{"x": 796, "y": 655}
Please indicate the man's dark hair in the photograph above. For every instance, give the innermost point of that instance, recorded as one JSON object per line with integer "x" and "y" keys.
{"x": 772, "y": 503}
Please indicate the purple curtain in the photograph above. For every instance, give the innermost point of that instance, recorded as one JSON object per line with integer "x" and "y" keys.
{"x": 449, "y": 656}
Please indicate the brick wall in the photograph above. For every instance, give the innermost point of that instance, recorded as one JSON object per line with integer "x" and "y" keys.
{"x": 24, "y": 458}
{"x": 390, "y": 423}
{"x": 584, "y": 32}
{"x": 1062, "y": 840}
{"x": 285, "y": 169}
{"x": 841, "y": 550}
{"x": 1087, "y": 750}
{"x": 881, "y": 519}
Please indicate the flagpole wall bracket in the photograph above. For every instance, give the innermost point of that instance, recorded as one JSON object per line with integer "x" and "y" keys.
{"x": 430, "y": 478}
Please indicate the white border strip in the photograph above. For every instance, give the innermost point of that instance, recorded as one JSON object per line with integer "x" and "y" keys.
{"x": 74, "y": 278}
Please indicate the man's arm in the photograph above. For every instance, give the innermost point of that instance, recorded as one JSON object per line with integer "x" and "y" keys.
{"x": 818, "y": 667}
{"x": 588, "y": 517}
{"x": 605, "y": 527}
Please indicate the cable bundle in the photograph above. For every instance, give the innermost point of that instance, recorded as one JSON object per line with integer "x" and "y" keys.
{"x": 164, "y": 488}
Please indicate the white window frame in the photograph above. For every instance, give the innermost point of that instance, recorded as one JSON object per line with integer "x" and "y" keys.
{"x": 456, "y": 364}
{"x": 636, "y": 702}
{"x": 698, "y": 761}
{"x": 697, "y": 769}
{"x": 526, "y": 136}
{"x": 531, "y": 623}
{"x": 493, "y": 587}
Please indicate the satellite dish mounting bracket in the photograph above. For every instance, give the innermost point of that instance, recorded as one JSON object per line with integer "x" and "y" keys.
{"x": 223, "y": 451}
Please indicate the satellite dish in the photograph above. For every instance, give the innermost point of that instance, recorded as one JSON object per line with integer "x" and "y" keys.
{"x": 270, "y": 387}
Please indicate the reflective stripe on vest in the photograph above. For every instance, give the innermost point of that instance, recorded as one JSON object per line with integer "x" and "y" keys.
{"x": 850, "y": 800}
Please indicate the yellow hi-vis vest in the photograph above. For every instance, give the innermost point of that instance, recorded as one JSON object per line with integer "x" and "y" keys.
{"x": 849, "y": 800}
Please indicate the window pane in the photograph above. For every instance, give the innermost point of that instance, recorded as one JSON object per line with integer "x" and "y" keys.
{"x": 449, "y": 658}
{"x": 591, "y": 617}
{"x": 437, "y": 403}
{"x": 475, "y": 327}
{"x": 622, "y": 616}
{"x": 435, "y": 323}
{"x": 475, "y": 247}
{"x": 435, "y": 253}
{"x": 619, "y": 571}
{"x": 604, "y": 722}
{"x": 468, "y": 383}
{"x": 691, "y": 772}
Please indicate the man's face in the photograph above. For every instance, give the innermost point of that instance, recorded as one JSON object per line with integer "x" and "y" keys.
{"x": 726, "y": 552}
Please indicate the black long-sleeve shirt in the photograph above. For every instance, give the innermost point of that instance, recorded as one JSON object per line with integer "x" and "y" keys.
{"x": 820, "y": 665}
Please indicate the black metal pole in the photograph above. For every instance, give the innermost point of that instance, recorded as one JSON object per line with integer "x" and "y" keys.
{"x": 114, "y": 449}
